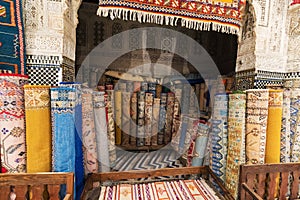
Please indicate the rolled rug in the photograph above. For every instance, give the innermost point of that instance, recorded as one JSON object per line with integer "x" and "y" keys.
{"x": 12, "y": 122}
{"x": 38, "y": 128}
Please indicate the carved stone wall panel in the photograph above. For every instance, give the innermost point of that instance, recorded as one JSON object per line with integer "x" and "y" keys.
{"x": 246, "y": 59}
{"x": 271, "y": 43}
{"x": 263, "y": 11}
{"x": 293, "y": 64}
{"x": 33, "y": 14}
{"x": 46, "y": 44}
{"x": 56, "y": 22}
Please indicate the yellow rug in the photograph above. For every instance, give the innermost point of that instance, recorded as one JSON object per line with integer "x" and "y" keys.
{"x": 274, "y": 126}
{"x": 38, "y": 128}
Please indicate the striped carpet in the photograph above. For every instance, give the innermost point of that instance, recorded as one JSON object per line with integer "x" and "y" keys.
{"x": 181, "y": 189}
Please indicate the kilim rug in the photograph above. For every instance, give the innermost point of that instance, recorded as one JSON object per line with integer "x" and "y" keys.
{"x": 285, "y": 137}
{"x": 256, "y": 125}
{"x": 295, "y": 125}
{"x": 88, "y": 133}
{"x": 109, "y": 103}
{"x": 181, "y": 189}
{"x": 219, "y": 15}
{"x": 63, "y": 102}
{"x": 219, "y": 135}
{"x": 274, "y": 126}
{"x": 12, "y": 47}
{"x": 236, "y": 141}
{"x": 79, "y": 168}
{"x": 12, "y": 122}
{"x": 200, "y": 144}
{"x": 101, "y": 131}
{"x": 38, "y": 128}
{"x": 118, "y": 115}
{"x": 162, "y": 158}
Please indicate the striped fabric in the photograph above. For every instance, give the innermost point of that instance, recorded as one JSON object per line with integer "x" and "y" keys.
{"x": 182, "y": 189}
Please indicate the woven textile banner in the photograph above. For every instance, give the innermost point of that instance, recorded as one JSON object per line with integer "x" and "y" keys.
{"x": 236, "y": 141}
{"x": 256, "y": 125}
{"x": 219, "y": 135}
{"x": 12, "y": 46}
{"x": 38, "y": 128}
{"x": 274, "y": 126}
{"x": 12, "y": 122}
{"x": 219, "y": 15}
{"x": 182, "y": 189}
{"x": 88, "y": 133}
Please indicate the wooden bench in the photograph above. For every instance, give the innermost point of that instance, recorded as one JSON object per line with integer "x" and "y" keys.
{"x": 269, "y": 181}
{"x": 36, "y": 185}
{"x": 204, "y": 172}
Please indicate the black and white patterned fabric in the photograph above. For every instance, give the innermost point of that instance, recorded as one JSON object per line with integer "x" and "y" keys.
{"x": 44, "y": 75}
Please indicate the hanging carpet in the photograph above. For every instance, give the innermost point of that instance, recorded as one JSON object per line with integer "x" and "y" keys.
{"x": 12, "y": 47}
{"x": 219, "y": 15}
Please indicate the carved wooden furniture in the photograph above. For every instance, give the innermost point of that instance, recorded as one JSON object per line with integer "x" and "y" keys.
{"x": 269, "y": 181}
{"x": 36, "y": 185}
{"x": 133, "y": 176}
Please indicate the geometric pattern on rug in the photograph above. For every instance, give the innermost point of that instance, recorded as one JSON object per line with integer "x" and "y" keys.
{"x": 12, "y": 47}
{"x": 150, "y": 160}
{"x": 179, "y": 189}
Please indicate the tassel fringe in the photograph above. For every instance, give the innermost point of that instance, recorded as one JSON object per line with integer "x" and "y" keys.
{"x": 144, "y": 17}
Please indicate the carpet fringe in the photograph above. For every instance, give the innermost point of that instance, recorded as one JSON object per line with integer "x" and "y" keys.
{"x": 144, "y": 17}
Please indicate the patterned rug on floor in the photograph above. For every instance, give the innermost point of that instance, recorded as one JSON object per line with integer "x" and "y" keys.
{"x": 150, "y": 160}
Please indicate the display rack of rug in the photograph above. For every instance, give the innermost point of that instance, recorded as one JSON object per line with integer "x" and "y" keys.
{"x": 220, "y": 15}
{"x": 12, "y": 45}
